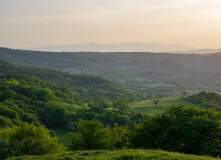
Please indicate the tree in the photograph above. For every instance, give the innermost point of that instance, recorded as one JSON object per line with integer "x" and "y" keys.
{"x": 119, "y": 136}
{"x": 9, "y": 113}
{"x": 155, "y": 101}
{"x": 55, "y": 115}
{"x": 184, "y": 93}
{"x": 122, "y": 105}
{"x": 45, "y": 95}
{"x": 93, "y": 135}
{"x": 28, "y": 140}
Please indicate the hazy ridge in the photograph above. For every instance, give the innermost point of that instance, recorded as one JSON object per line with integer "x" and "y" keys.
{"x": 121, "y": 47}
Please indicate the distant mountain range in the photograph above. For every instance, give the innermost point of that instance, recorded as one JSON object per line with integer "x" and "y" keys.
{"x": 122, "y": 47}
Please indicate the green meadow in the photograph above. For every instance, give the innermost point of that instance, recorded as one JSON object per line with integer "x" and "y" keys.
{"x": 148, "y": 106}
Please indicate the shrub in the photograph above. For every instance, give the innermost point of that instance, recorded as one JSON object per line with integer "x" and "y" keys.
{"x": 29, "y": 140}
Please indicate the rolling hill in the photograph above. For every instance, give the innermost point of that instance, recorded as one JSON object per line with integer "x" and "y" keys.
{"x": 157, "y": 73}
{"x": 148, "y": 106}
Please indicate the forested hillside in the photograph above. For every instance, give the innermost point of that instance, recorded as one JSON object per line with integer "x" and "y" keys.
{"x": 27, "y": 102}
{"x": 24, "y": 98}
{"x": 89, "y": 87}
{"x": 164, "y": 73}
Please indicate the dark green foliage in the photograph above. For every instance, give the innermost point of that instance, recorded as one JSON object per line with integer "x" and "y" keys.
{"x": 108, "y": 117}
{"x": 40, "y": 102}
{"x": 180, "y": 128}
{"x": 55, "y": 115}
{"x": 5, "y": 122}
{"x": 44, "y": 94}
{"x": 93, "y": 135}
{"x": 119, "y": 136}
{"x": 88, "y": 87}
{"x": 31, "y": 118}
{"x": 209, "y": 100}
{"x": 27, "y": 140}
{"x": 122, "y": 106}
{"x": 6, "y": 150}
{"x": 25, "y": 100}
{"x": 4, "y": 111}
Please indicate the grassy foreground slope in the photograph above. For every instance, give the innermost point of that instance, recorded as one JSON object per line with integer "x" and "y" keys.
{"x": 117, "y": 155}
{"x": 148, "y": 106}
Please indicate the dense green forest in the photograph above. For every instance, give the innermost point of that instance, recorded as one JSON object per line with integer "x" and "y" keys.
{"x": 97, "y": 115}
{"x": 149, "y": 72}
{"x": 89, "y": 87}
{"x": 34, "y": 100}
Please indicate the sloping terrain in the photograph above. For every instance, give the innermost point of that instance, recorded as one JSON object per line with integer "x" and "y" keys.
{"x": 148, "y": 106}
{"x": 87, "y": 86}
{"x": 155, "y": 73}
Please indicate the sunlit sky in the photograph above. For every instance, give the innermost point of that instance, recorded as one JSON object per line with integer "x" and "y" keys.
{"x": 33, "y": 23}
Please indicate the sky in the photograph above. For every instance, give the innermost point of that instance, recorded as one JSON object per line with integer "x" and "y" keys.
{"x": 33, "y": 23}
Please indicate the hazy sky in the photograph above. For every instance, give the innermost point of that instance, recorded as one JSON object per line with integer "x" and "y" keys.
{"x": 32, "y": 23}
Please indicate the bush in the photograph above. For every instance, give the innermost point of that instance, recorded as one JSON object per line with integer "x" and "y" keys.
{"x": 5, "y": 122}
{"x": 29, "y": 140}
{"x": 93, "y": 135}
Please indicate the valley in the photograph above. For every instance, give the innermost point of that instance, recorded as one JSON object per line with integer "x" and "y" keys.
{"x": 108, "y": 102}
{"x": 156, "y": 73}
{"x": 110, "y": 80}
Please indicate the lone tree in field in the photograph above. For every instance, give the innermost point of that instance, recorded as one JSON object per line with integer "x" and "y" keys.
{"x": 184, "y": 94}
{"x": 155, "y": 101}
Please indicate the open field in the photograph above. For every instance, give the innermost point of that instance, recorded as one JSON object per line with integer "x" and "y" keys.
{"x": 148, "y": 106}
{"x": 117, "y": 155}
